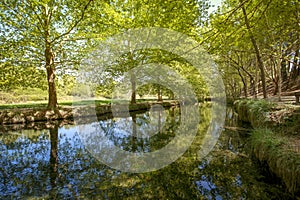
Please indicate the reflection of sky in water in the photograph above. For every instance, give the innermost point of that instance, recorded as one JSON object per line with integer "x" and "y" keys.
{"x": 145, "y": 125}
{"x": 25, "y": 155}
{"x": 132, "y": 134}
{"x": 25, "y": 171}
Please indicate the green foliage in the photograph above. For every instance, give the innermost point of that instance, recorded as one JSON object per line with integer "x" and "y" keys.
{"x": 66, "y": 84}
{"x": 273, "y": 27}
{"x": 82, "y": 90}
{"x": 180, "y": 15}
{"x": 15, "y": 76}
{"x": 64, "y": 32}
{"x": 44, "y": 33}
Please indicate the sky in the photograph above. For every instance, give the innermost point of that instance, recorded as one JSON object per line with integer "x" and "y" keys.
{"x": 216, "y": 3}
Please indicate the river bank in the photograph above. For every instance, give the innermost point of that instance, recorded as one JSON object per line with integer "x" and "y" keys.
{"x": 30, "y": 115}
{"x": 275, "y": 140}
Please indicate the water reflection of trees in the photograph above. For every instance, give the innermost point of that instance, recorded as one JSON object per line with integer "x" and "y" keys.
{"x": 53, "y": 155}
{"x": 55, "y": 165}
{"x": 142, "y": 132}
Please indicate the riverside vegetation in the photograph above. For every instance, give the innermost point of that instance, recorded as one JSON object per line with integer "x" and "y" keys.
{"x": 254, "y": 44}
{"x": 275, "y": 140}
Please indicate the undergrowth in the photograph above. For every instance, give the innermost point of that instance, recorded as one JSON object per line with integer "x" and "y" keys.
{"x": 254, "y": 111}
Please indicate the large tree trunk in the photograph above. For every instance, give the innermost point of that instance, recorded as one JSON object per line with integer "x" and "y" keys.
{"x": 295, "y": 71}
{"x": 50, "y": 68}
{"x": 257, "y": 53}
{"x": 133, "y": 88}
{"x": 49, "y": 57}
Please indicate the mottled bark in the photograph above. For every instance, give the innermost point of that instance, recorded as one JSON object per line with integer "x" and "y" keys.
{"x": 49, "y": 58}
{"x": 52, "y": 94}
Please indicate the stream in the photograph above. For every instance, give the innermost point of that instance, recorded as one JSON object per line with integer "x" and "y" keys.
{"x": 53, "y": 163}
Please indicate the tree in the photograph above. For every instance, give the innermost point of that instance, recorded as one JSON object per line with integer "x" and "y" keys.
{"x": 180, "y": 15}
{"x": 269, "y": 26}
{"x": 41, "y": 33}
{"x": 256, "y": 48}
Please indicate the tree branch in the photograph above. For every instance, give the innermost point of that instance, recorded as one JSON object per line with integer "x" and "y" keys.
{"x": 75, "y": 24}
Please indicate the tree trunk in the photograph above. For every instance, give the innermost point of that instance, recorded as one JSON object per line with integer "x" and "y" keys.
{"x": 279, "y": 81}
{"x": 284, "y": 74}
{"x": 49, "y": 58}
{"x": 159, "y": 95}
{"x": 133, "y": 88}
{"x": 50, "y": 68}
{"x": 295, "y": 71}
{"x": 257, "y": 52}
{"x": 275, "y": 81}
{"x": 244, "y": 80}
{"x": 256, "y": 80}
{"x": 252, "y": 86}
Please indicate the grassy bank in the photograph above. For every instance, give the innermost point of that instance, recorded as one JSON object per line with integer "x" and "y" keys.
{"x": 68, "y": 103}
{"x": 28, "y": 113}
{"x": 275, "y": 140}
{"x": 43, "y": 104}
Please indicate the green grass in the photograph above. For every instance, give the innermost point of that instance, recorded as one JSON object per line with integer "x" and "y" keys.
{"x": 274, "y": 149}
{"x": 62, "y": 103}
{"x": 67, "y": 103}
{"x": 254, "y": 111}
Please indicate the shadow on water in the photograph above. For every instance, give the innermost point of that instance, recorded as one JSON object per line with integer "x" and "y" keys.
{"x": 53, "y": 163}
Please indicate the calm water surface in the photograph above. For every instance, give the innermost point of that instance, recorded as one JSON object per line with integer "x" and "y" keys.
{"x": 53, "y": 163}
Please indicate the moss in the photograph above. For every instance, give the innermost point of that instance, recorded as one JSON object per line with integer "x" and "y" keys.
{"x": 273, "y": 149}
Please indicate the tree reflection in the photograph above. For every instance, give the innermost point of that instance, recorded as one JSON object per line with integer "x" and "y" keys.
{"x": 134, "y": 132}
{"x": 53, "y": 155}
{"x": 225, "y": 173}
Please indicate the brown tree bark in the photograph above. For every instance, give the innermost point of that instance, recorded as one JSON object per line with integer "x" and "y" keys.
{"x": 49, "y": 58}
{"x": 133, "y": 88}
{"x": 257, "y": 53}
{"x": 295, "y": 71}
{"x": 244, "y": 80}
{"x": 159, "y": 95}
{"x": 279, "y": 83}
{"x": 50, "y": 68}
